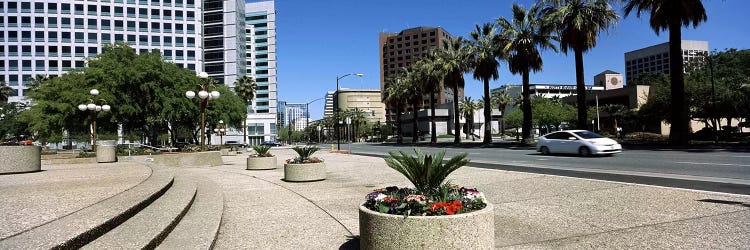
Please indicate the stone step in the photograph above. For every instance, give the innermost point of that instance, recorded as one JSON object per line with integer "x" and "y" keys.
{"x": 200, "y": 226}
{"x": 83, "y": 226}
{"x": 148, "y": 228}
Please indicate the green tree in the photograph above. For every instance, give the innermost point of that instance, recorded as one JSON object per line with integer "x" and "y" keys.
{"x": 5, "y": 91}
{"x": 578, "y": 25}
{"x": 433, "y": 72}
{"x": 672, "y": 15}
{"x": 615, "y": 111}
{"x": 515, "y": 120}
{"x": 523, "y": 36}
{"x": 486, "y": 48}
{"x": 395, "y": 97}
{"x": 11, "y": 127}
{"x": 454, "y": 57}
{"x": 245, "y": 89}
{"x": 501, "y": 99}
{"x": 414, "y": 83}
{"x": 468, "y": 107}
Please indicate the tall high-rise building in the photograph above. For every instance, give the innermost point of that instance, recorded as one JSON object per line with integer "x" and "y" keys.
{"x": 260, "y": 56}
{"x": 399, "y": 50}
{"x": 328, "y": 108}
{"x": 51, "y": 37}
{"x": 655, "y": 59}
{"x": 296, "y": 115}
{"x": 224, "y": 39}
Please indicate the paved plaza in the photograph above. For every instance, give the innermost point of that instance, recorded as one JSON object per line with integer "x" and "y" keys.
{"x": 261, "y": 211}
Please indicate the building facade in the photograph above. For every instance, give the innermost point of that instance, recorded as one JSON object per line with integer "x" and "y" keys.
{"x": 328, "y": 108}
{"x": 260, "y": 56}
{"x": 52, "y": 37}
{"x": 224, "y": 39}
{"x": 546, "y": 90}
{"x": 655, "y": 59}
{"x": 399, "y": 50}
{"x": 296, "y": 115}
{"x": 366, "y": 100}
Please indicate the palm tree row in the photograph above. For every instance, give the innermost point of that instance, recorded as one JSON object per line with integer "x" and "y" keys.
{"x": 519, "y": 40}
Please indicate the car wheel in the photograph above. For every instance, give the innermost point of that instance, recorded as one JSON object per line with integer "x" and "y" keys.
{"x": 584, "y": 151}
{"x": 545, "y": 150}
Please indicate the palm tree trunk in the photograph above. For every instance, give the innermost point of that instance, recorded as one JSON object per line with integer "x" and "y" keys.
{"x": 433, "y": 138}
{"x": 244, "y": 129}
{"x": 456, "y": 119}
{"x": 415, "y": 121}
{"x": 502, "y": 122}
{"x": 580, "y": 90}
{"x": 526, "y": 107}
{"x": 678, "y": 134}
{"x": 399, "y": 132}
{"x": 487, "y": 113}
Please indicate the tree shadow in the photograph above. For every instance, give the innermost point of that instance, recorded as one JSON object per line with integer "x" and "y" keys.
{"x": 351, "y": 244}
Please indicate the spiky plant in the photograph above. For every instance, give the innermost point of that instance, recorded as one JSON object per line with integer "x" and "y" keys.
{"x": 305, "y": 154}
{"x": 262, "y": 150}
{"x": 426, "y": 172}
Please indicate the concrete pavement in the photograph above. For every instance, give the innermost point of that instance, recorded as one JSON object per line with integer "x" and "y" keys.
{"x": 531, "y": 210}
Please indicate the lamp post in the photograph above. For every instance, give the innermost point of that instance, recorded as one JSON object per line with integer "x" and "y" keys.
{"x": 205, "y": 94}
{"x": 93, "y": 108}
{"x": 319, "y": 139}
{"x": 337, "y": 109}
{"x": 349, "y": 129}
{"x": 221, "y": 131}
{"x": 307, "y": 111}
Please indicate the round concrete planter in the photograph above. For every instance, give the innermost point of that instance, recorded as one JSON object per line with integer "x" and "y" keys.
{"x": 261, "y": 163}
{"x": 20, "y": 159}
{"x": 475, "y": 230}
{"x": 305, "y": 172}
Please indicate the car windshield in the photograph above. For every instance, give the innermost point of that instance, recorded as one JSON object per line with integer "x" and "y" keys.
{"x": 588, "y": 135}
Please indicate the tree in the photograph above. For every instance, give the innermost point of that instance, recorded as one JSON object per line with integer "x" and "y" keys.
{"x": 414, "y": 83}
{"x": 615, "y": 111}
{"x": 672, "y": 15}
{"x": 5, "y": 92}
{"x": 578, "y": 23}
{"x": 395, "y": 97}
{"x": 454, "y": 57}
{"x": 486, "y": 49}
{"x": 468, "y": 107}
{"x": 431, "y": 67}
{"x": 10, "y": 124}
{"x": 501, "y": 99}
{"x": 523, "y": 36}
{"x": 245, "y": 89}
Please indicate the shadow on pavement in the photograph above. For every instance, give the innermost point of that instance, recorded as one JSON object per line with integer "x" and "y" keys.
{"x": 351, "y": 244}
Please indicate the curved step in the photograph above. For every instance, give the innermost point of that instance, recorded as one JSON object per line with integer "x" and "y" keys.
{"x": 200, "y": 226}
{"x": 87, "y": 224}
{"x": 148, "y": 228}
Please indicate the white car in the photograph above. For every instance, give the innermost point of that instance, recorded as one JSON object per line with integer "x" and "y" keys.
{"x": 582, "y": 142}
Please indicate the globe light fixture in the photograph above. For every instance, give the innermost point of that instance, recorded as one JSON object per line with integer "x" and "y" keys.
{"x": 204, "y": 93}
{"x": 190, "y": 94}
{"x": 94, "y": 109}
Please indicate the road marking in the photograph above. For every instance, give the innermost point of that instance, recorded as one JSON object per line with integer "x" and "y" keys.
{"x": 740, "y": 156}
{"x": 710, "y": 163}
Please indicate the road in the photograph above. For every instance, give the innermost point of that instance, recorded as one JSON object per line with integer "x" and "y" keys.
{"x": 712, "y": 170}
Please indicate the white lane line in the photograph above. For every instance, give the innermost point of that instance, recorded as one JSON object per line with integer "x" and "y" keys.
{"x": 740, "y": 156}
{"x": 710, "y": 163}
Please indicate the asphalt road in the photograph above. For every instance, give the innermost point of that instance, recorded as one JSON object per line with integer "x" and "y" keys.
{"x": 723, "y": 170}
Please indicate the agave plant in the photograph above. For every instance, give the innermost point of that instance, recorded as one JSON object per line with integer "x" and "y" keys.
{"x": 262, "y": 150}
{"x": 305, "y": 154}
{"x": 426, "y": 172}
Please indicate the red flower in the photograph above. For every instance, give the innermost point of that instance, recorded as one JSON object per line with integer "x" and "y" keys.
{"x": 390, "y": 199}
{"x": 450, "y": 208}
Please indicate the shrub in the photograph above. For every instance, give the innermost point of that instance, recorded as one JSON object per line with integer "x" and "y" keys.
{"x": 645, "y": 137}
{"x": 262, "y": 151}
{"x": 84, "y": 154}
{"x": 426, "y": 172}
{"x": 304, "y": 155}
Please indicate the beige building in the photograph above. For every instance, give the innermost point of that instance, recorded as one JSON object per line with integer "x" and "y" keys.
{"x": 367, "y": 100}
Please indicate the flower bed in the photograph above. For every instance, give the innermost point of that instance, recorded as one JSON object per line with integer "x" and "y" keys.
{"x": 451, "y": 200}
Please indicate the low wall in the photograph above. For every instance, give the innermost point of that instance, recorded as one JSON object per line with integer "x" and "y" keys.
{"x": 211, "y": 158}
{"x": 20, "y": 159}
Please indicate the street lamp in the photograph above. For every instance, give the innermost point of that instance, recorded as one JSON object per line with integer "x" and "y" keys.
{"x": 337, "y": 109}
{"x": 319, "y": 139}
{"x": 94, "y": 109}
{"x": 307, "y": 110}
{"x": 205, "y": 94}
{"x": 221, "y": 131}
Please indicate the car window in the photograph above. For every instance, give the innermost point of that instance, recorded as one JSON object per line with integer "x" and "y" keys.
{"x": 588, "y": 135}
{"x": 558, "y": 136}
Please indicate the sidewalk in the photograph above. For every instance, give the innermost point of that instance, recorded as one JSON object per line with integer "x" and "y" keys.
{"x": 531, "y": 210}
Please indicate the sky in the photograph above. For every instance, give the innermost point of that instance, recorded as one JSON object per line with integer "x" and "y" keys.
{"x": 320, "y": 40}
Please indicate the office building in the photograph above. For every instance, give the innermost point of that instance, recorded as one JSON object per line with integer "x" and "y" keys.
{"x": 546, "y": 90}
{"x": 655, "y": 59}
{"x": 52, "y": 37}
{"x": 260, "y": 56}
{"x": 399, "y": 50}
{"x": 366, "y": 100}
{"x": 328, "y": 108}
{"x": 224, "y": 39}
{"x": 296, "y": 115}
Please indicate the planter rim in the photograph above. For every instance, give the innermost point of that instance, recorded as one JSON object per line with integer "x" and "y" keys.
{"x": 312, "y": 163}
{"x": 488, "y": 209}
{"x": 255, "y": 156}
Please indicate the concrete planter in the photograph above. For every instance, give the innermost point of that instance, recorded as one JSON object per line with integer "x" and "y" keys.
{"x": 305, "y": 172}
{"x": 261, "y": 163}
{"x": 106, "y": 151}
{"x": 475, "y": 230}
{"x": 20, "y": 159}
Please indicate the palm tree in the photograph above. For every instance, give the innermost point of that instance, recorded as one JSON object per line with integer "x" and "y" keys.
{"x": 395, "y": 98}
{"x": 672, "y": 15}
{"x": 486, "y": 49}
{"x": 358, "y": 119}
{"x": 501, "y": 99}
{"x": 523, "y": 37}
{"x": 454, "y": 57}
{"x": 468, "y": 107}
{"x": 616, "y": 111}
{"x": 578, "y": 23}
{"x": 245, "y": 89}
{"x": 431, "y": 69}
{"x": 5, "y": 92}
{"x": 415, "y": 85}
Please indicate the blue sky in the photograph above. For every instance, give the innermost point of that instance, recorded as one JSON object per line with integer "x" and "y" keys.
{"x": 318, "y": 40}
